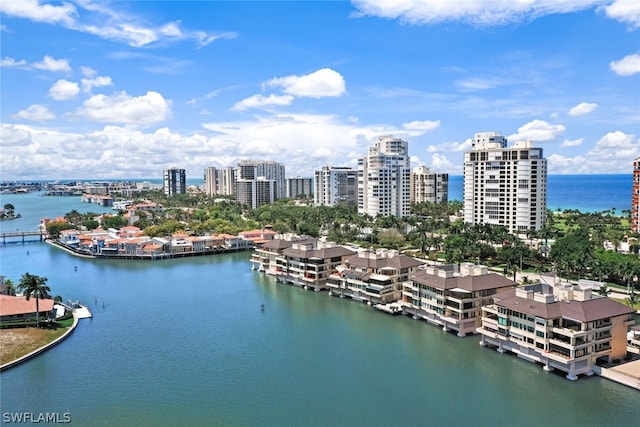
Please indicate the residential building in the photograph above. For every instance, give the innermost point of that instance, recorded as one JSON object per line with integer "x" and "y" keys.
{"x": 560, "y": 326}
{"x": 219, "y": 181}
{"x": 255, "y": 192}
{"x": 308, "y": 263}
{"x": 384, "y": 178}
{"x": 298, "y": 187}
{"x": 17, "y": 308}
{"x": 451, "y": 296}
{"x": 335, "y": 185}
{"x": 268, "y": 257}
{"x": 427, "y": 186}
{"x": 269, "y": 170}
{"x": 175, "y": 181}
{"x": 635, "y": 197}
{"x": 372, "y": 277}
{"x": 505, "y": 186}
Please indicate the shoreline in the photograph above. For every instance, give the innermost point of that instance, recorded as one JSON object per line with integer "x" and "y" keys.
{"x": 42, "y": 349}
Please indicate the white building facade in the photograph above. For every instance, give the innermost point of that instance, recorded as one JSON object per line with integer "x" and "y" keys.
{"x": 503, "y": 185}
{"x": 298, "y": 186}
{"x": 384, "y": 179}
{"x": 427, "y": 186}
{"x": 335, "y": 185}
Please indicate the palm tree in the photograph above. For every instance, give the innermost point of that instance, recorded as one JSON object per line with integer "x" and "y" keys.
{"x": 10, "y": 288}
{"x": 36, "y": 286}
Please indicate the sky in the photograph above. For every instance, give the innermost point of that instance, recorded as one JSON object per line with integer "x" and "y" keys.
{"x": 122, "y": 90}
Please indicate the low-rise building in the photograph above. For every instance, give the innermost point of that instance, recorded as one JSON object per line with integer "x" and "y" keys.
{"x": 373, "y": 277}
{"x": 563, "y": 327}
{"x": 308, "y": 263}
{"x": 268, "y": 257}
{"x": 451, "y": 296}
{"x": 15, "y": 308}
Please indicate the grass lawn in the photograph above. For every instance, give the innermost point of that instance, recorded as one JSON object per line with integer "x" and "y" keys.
{"x": 17, "y": 342}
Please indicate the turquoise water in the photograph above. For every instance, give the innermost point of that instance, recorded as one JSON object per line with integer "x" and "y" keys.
{"x": 184, "y": 342}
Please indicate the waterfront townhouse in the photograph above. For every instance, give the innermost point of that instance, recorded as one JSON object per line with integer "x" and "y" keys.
{"x": 259, "y": 236}
{"x": 308, "y": 263}
{"x": 372, "y": 277}
{"x": 562, "y": 327}
{"x": 451, "y": 296}
{"x": 268, "y": 258}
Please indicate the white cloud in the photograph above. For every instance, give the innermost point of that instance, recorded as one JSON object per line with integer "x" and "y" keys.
{"x": 9, "y": 62}
{"x": 537, "y": 130}
{"x": 480, "y": 83}
{"x": 582, "y": 109}
{"x": 99, "y": 81}
{"x": 123, "y": 108}
{"x": 627, "y": 66}
{"x": 613, "y": 153}
{"x": 63, "y": 90}
{"x": 572, "y": 142}
{"x": 422, "y": 125}
{"x": 479, "y": 12}
{"x": 99, "y": 19}
{"x": 54, "y": 65}
{"x": 322, "y": 83}
{"x": 259, "y": 101}
{"x": 36, "y": 113}
{"x": 627, "y": 11}
{"x": 440, "y": 163}
{"x": 34, "y": 10}
{"x": 447, "y": 147}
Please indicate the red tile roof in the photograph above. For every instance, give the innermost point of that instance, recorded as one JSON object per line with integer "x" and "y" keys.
{"x": 11, "y": 306}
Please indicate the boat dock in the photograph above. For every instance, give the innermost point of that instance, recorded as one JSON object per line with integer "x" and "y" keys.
{"x": 392, "y": 308}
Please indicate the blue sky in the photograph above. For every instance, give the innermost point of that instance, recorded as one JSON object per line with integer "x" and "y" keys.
{"x": 97, "y": 89}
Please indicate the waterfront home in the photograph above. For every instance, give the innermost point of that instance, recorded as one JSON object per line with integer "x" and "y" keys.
{"x": 561, "y": 326}
{"x": 308, "y": 263}
{"x": 259, "y": 236}
{"x": 373, "y": 277}
{"x": 98, "y": 199}
{"x": 268, "y": 257}
{"x": 15, "y": 308}
{"x": 70, "y": 237}
{"x": 452, "y": 295}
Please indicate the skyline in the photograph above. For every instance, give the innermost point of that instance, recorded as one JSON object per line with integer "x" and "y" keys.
{"x": 128, "y": 90}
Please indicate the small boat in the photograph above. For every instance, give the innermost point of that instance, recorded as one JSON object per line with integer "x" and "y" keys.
{"x": 261, "y": 307}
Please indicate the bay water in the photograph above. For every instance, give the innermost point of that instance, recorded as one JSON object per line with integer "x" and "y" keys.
{"x": 185, "y": 342}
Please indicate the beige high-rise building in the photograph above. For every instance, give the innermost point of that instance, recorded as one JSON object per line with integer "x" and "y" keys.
{"x": 219, "y": 181}
{"x": 384, "y": 178}
{"x": 635, "y": 197}
{"x": 505, "y": 185}
{"x": 427, "y": 186}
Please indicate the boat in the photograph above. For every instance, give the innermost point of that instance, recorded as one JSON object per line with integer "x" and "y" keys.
{"x": 81, "y": 311}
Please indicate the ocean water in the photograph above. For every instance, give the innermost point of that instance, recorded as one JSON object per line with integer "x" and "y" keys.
{"x": 586, "y": 193}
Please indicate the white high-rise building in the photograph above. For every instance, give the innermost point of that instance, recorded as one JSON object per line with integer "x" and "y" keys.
{"x": 219, "y": 181}
{"x": 384, "y": 178}
{"x": 427, "y": 186}
{"x": 505, "y": 185}
{"x": 174, "y": 181}
{"x": 335, "y": 185}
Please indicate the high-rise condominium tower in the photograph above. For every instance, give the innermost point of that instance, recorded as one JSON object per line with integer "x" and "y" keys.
{"x": 384, "y": 178}
{"x": 427, "y": 186}
{"x": 298, "y": 186}
{"x": 635, "y": 197}
{"x": 219, "y": 181}
{"x": 174, "y": 181}
{"x": 335, "y": 185}
{"x": 259, "y": 182}
{"x": 505, "y": 185}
